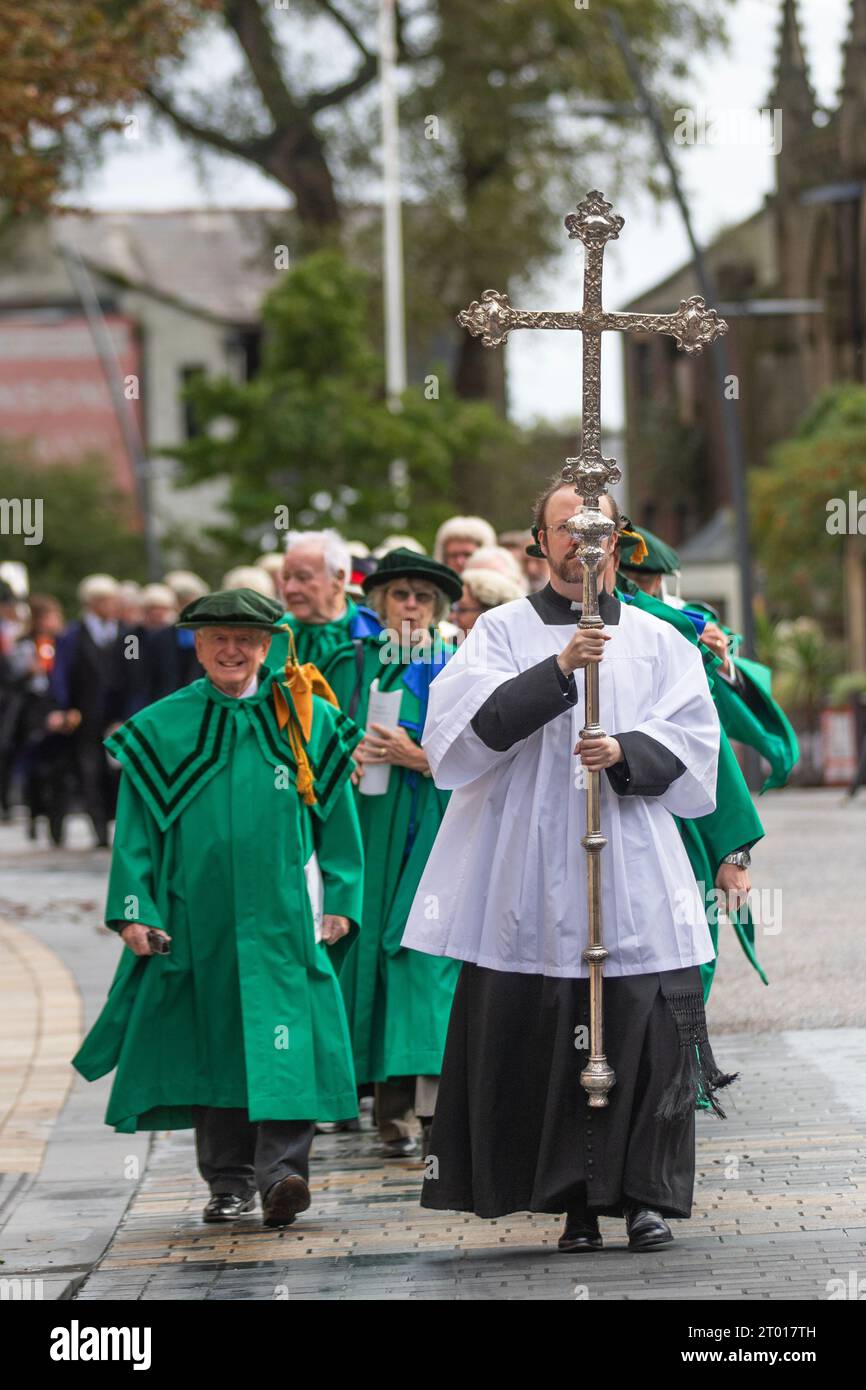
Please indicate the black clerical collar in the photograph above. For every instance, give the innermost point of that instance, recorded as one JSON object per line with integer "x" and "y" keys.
{"x": 553, "y": 607}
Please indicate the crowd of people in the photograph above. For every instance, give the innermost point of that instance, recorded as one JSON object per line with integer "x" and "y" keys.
{"x": 65, "y": 685}
{"x": 329, "y": 932}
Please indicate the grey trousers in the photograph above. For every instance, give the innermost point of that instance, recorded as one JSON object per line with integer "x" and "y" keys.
{"x": 237, "y": 1156}
{"x": 399, "y": 1100}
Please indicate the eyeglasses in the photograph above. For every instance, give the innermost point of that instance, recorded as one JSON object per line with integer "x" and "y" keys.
{"x": 562, "y": 530}
{"x": 403, "y": 595}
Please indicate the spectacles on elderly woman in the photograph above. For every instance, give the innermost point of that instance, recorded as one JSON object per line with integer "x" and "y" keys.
{"x": 402, "y": 595}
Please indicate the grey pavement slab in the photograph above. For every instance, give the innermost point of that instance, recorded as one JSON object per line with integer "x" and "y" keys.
{"x": 62, "y": 1218}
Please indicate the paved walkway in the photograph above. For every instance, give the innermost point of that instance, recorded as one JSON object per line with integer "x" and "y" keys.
{"x": 780, "y": 1212}
{"x": 65, "y": 1179}
{"x": 40, "y": 1021}
{"x": 780, "y": 1201}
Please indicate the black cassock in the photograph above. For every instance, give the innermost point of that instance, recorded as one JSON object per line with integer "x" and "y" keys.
{"x": 513, "y": 1130}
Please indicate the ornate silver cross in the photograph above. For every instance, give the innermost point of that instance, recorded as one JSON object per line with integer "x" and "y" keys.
{"x": 693, "y": 326}
{"x": 491, "y": 318}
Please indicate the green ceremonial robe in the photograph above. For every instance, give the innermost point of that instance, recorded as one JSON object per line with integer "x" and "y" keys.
{"x": 751, "y": 715}
{"x": 211, "y": 843}
{"x": 398, "y": 1001}
{"x": 313, "y": 641}
{"x": 734, "y": 824}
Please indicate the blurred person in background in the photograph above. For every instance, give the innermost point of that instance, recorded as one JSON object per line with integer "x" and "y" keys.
{"x": 458, "y": 537}
{"x": 271, "y": 561}
{"x": 45, "y": 755}
{"x": 131, "y": 614}
{"x": 84, "y": 696}
{"x": 250, "y": 577}
{"x": 499, "y": 558}
{"x": 139, "y": 655}
{"x": 158, "y": 606}
{"x": 185, "y": 586}
{"x": 10, "y": 627}
{"x": 483, "y": 589}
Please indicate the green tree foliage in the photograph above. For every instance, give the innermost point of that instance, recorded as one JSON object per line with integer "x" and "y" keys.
{"x": 312, "y": 431}
{"x": 87, "y": 524}
{"x": 792, "y": 507}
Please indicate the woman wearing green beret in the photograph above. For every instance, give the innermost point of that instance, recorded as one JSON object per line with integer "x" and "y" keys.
{"x": 398, "y": 1001}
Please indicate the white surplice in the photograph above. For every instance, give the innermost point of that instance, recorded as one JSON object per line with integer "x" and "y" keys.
{"x": 505, "y": 883}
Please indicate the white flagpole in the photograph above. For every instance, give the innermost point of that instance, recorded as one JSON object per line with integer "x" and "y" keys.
{"x": 395, "y": 312}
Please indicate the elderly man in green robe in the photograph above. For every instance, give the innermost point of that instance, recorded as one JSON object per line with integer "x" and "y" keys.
{"x": 317, "y": 567}
{"x": 236, "y": 882}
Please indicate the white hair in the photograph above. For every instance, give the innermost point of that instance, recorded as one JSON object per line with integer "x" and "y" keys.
{"x": 472, "y": 528}
{"x": 330, "y": 544}
{"x": 95, "y": 586}
{"x": 271, "y": 562}
{"x": 185, "y": 585}
{"x": 491, "y": 587}
{"x": 496, "y": 557}
{"x": 157, "y": 596}
{"x": 249, "y": 577}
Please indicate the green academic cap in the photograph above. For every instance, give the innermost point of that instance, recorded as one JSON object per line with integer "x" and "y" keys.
{"x": 659, "y": 559}
{"x": 408, "y": 564}
{"x": 233, "y": 608}
{"x": 534, "y": 549}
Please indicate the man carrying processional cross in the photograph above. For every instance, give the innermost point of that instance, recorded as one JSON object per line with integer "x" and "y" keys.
{"x": 504, "y": 887}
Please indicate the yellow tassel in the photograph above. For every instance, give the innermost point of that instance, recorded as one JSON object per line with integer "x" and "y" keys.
{"x": 640, "y": 552}
{"x": 302, "y": 682}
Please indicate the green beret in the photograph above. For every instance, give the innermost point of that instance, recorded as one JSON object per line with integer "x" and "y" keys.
{"x": 408, "y": 564}
{"x": 233, "y": 608}
{"x": 659, "y": 559}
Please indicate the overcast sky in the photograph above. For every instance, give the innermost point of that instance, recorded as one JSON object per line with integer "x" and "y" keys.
{"x": 725, "y": 182}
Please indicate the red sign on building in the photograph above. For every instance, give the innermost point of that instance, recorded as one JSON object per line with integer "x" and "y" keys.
{"x": 53, "y": 389}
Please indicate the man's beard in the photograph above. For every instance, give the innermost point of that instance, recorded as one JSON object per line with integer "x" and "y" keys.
{"x": 569, "y": 570}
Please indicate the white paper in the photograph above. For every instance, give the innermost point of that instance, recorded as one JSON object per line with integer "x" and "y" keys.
{"x": 315, "y": 892}
{"x": 384, "y": 709}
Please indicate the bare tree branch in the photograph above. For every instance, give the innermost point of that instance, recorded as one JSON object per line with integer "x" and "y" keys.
{"x": 348, "y": 28}
{"x": 319, "y": 101}
{"x": 208, "y": 135}
{"x": 253, "y": 30}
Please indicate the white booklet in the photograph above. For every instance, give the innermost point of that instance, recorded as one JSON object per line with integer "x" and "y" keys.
{"x": 315, "y": 892}
{"x": 384, "y": 709}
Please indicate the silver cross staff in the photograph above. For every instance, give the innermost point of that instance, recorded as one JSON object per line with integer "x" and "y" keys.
{"x": 693, "y": 326}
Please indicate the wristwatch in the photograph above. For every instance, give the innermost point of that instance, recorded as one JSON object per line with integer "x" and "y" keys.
{"x": 740, "y": 857}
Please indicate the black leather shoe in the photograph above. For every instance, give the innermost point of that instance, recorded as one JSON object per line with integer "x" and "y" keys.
{"x": 646, "y": 1228}
{"x": 282, "y": 1202}
{"x": 580, "y": 1233}
{"x": 228, "y": 1206}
